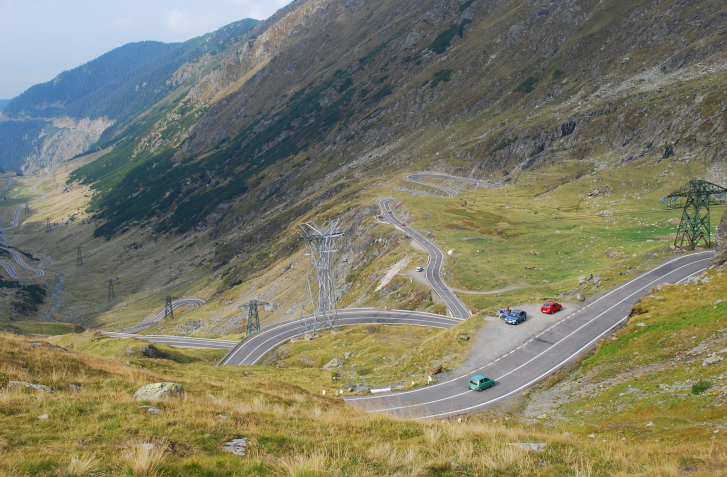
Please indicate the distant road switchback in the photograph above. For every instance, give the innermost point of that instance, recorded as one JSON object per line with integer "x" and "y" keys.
{"x": 9, "y": 267}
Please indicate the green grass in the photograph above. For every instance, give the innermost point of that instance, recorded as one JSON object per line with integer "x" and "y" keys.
{"x": 30, "y": 328}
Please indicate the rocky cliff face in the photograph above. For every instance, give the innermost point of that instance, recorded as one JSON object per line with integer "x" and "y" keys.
{"x": 67, "y": 139}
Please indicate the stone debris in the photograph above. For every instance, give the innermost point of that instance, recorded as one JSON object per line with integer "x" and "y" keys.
{"x": 361, "y": 389}
{"x": 464, "y": 337}
{"x": 43, "y": 417}
{"x": 334, "y": 363}
{"x": 714, "y": 359}
{"x": 23, "y": 364}
{"x": 147, "y": 445}
{"x": 20, "y": 385}
{"x": 43, "y": 344}
{"x": 236, "y": 446}
{"x": 641, "y": 324}
{"x": 530, "y": 446}
{"x": 347, "y": 355}
{"x": 151, "y": 409}
{"x": 74, "y": 387}
{"x": 159, "y": 391}
{"x": 223, "y": 417}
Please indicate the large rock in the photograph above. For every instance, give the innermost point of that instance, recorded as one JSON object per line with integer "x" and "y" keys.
{"x": 158, "y": 391}
{"x": 151, "y": 351}
{"x": 334, "y": 363}
{"x": 720, "y": 239}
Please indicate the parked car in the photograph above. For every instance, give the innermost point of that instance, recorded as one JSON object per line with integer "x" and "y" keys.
{"x": 513, "y": 317}
{"x": 479, "y": 382}
{"x": 403, "y": 225}
{"x": 420, "y": 269}
{"x": 551, "y": 307}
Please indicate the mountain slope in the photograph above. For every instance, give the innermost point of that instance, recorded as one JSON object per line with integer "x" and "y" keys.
{"x": 111, "y": 88}
{"x": 513, "y": 84}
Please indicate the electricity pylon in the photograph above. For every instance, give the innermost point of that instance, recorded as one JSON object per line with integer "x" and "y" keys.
{"x": 47, "y": 225}
{"x": 253, "y": 319}
{"x": 695, "y": 226}
{"x": 27, "y": 208}
{"x": 112, "y": 296}
{"x": 79, "y": 258}
{"x": 168, "y": 309}
{"x": 319, "y": 310}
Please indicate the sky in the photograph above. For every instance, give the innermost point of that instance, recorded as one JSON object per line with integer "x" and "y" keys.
{"x": 41, "y": 38}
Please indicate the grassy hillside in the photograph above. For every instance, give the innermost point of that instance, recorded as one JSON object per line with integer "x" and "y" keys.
{"x": 292, "y": 429}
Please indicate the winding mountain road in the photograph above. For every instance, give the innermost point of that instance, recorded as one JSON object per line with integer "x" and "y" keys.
{"x": 416, "y": 178}
{"x": 252, "y": 349}
{"x": 455, "y": 306}
{"x": 193, "y": 302}
{"x": 17, "y": 256}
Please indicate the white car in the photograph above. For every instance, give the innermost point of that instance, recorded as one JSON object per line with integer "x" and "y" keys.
{"x": 420, "y": 269}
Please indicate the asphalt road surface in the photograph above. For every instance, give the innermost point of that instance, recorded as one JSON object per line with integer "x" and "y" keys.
{"x": 19, "y": 260}
{"x": 539, "y": 357}
{"x": 433, "y": 269}
{"x": 194, "y": 302}
{"x": 452, "y": 193}
{"x": 178, "y": 341}
{"x": 252, "y": 349}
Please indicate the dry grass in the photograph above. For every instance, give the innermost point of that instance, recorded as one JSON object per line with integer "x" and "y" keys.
{"x": 85, "y": 465}
{"x": 291, "y": 431}
{"x": 145, "y": 459}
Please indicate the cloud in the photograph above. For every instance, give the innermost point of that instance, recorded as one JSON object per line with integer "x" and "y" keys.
{"x": 178, "y": 20}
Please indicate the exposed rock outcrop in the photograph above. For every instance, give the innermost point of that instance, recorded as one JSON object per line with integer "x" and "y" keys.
{"x": 720, "y": 256}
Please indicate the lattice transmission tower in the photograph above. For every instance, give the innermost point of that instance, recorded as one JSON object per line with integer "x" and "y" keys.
{"x": 112, "y": 296}
{"x": 47, "y": 225}
{"x": 79, "y": 258}
{"x": 27, "y": 208}
{"x": 319, "y": 310}
{"x": 695, "y": 226}
{"x": 253, "y": 318}
{"x": 168, "y": 308}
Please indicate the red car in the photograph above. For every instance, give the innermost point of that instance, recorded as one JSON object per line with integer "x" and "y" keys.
{"x": 551, "y": 307}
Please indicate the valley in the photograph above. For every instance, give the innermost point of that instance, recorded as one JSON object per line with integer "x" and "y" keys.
{"x": 479, "y": 156}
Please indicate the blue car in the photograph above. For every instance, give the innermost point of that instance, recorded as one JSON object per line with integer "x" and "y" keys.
{"x": 513, "y": 317}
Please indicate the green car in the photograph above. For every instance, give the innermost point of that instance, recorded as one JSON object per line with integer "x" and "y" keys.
{"x": 479, "y": 382}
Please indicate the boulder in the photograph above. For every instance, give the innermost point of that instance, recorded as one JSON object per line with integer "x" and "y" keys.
{"x": 714, "y": 359}
{"x": 580, "y": 297}
{"x": 157, "y": 391}
{"x": 437, "y": 370}
{"x": 334, "y": 363}
{"x": 151, "y": 351}
{"x": 347, "y": 355}
{"x": 464, "y": 337}
{"x": 151, "y": 409}
{"x": 74, "y": 387}
{"x": 361, "y": 389}
{"x": 23, "y": 385}
{"x": 530, "y": 446}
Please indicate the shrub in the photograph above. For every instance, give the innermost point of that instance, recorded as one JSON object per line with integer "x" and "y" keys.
{"x": 527, "y": 86}
{"x": 700, "y": 386}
